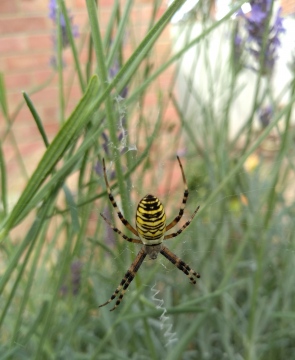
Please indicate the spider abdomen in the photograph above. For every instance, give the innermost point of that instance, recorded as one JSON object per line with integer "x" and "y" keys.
{"x": 150, "y": 220}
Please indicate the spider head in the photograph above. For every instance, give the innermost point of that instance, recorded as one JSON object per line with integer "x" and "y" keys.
{"x": 153, "y": 250}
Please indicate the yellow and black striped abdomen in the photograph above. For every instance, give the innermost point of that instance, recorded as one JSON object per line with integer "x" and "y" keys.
{"x": 150, "y": 220}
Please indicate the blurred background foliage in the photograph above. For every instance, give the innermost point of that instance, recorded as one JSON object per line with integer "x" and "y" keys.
{"x": 59, "y": 260}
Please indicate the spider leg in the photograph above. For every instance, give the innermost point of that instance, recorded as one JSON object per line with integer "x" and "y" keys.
{"x": 120, "y": 232}
{"x": 128, "y": 277}
{"x": 112, "y": 200}
{"x": 180, "y": 264}
{"x": 184, "y": 200}
{"x": 183, "y": 227}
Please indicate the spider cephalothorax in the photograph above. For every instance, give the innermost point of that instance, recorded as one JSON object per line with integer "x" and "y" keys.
{"x": 150, "y": 228}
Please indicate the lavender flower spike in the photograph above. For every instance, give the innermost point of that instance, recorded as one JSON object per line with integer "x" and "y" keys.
{"x": 257, "y": 27}
{"x": 53, "y": 16}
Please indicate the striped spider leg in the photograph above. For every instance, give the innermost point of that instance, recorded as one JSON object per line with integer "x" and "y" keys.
{"x": 113, "y": 202}
{"x": 151, "y": 227}
{"x": 184, "y": 200}
{"x": 128, "y": 277}
{"x": 181, "y": 265}
{"x": 178, "y": 232}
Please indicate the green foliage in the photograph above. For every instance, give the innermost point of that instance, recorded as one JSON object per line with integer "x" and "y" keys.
{"x": 242, "y": 241}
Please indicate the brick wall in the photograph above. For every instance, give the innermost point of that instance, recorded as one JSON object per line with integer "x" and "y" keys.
{"x": 25, "y": 50}
{"x": 288, "y": 6}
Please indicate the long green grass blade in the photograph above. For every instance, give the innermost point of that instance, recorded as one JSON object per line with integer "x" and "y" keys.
{"x": 68, "y": 134}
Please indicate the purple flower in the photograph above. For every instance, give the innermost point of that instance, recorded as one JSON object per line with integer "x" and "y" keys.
{"x": 53, "y": 16}
{"x": 238, "y": 45}
{"x": 238, "y": 40}
{"x": 121, "y": 126}
{"x": 106, "y": 142}
{"x": 122, "y": 132}
{"x": 99, "y": 171}
{"x": 52, "y": 9}
{"x": 257, "y": 27}
{"x": 113, "y": 71}
{"x": 73, "y": 283}
{"x": 265, "y": 115}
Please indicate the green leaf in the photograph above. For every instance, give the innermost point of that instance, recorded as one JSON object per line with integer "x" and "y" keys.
{"x": 73, "y": 209}
{"x": 36, "y": 118}
{"x": 69, "y": 132}
{"x": 3, "y": 99}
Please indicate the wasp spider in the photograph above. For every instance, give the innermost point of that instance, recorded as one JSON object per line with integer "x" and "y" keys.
{"x": 150, "y": 228}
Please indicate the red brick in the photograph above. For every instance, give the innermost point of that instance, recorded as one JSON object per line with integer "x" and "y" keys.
{"x": 80, "y": 19}
{"x": 24, "y": 118}
{"x": 31, "y": 6}
{"x": 166, "y": 34}
{"x": 141, "y": 15}
{"x": 40, "y": 42}
{"x": 106, "y": 3}
{"x": 14, "y": 98}
{"x": 18, "y": 81}
{"x": 83, "y": 56}
{"x": 43, "y": 75}
{"x": 27, "y": 133}
{"x": 70, "y": 76}
{"x": 288, "y": 6}
{"x": 75, "y": 92}
{"x": 172, "y": 180}
{"x": 104, "y": 17}
{"x": 71, "y": 106}
{"x": 150, "y": 100}
{"x": 8, "y": 6}
{"x": 161, "y": 11}
{"x": 49, "y": 114}
{"x": 51, "y": 130}
{"x": 68, "y": 59}
{"x": 170, "y": 115}
{"x": 144, "y": 2}
{"x": 48, "y": 95}
{"x": 35, "y": 148}
{"x": 28, "y": 62}
{"x": 165, "y": 82}
{"x": 12, "y": 44}
{"x": 128, "y": 50}
{"x": 80, "y": 4}
{"x": 8, "y": 150}
{"x": 22, "y": 25}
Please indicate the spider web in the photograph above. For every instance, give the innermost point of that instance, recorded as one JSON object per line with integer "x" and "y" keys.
{"x": 239, "y": 209}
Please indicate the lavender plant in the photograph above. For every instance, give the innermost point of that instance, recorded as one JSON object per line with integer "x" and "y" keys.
{"x": 73, "y": 282}
{"x": 261, "y": 35}
{"x": 53, "y": 15}
{"x": 266, "y": 113}
{"x": 121, "y": 125}
{"x": 53, "y": 277}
